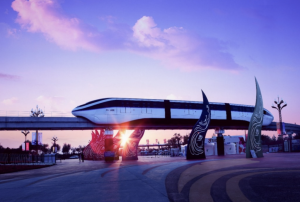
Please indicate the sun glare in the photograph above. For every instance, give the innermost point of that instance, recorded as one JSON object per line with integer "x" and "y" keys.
{"x": 125, "y": 137}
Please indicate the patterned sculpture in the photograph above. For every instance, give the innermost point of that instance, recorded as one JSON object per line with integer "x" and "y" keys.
{"x": 96, "y": 148}
{"x": 254, "y": 129}
{"x": 130, "y": 148}
{"x": 195, "y": 148}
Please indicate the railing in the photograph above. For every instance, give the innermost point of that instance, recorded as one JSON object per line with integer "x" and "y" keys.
{"x": 27, "y": 114}
{"x": 11, "y": 158}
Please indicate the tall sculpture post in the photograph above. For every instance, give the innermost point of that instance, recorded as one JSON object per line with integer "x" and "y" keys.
{"x": 195, "y": 148}
{"x": 130, "y": 149}
{"x": 254, "y": 129}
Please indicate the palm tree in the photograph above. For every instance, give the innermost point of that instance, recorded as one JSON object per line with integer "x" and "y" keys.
{"x": 178, "y": 138}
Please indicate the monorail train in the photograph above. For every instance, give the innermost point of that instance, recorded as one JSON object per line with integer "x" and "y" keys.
{"x": 153, "y": 111}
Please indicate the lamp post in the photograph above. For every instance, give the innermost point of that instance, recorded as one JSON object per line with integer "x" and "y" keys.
{"x": 25, "y": 132}
{"x": 279, "y": 105}
{"x": 37, "y": 113}
{"x": 54, "y": 139}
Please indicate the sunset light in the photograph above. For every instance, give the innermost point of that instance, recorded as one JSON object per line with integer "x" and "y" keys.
{"x": 125, "y": 136}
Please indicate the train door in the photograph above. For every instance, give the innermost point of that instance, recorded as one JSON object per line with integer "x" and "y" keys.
{"x": 149, "y": 109}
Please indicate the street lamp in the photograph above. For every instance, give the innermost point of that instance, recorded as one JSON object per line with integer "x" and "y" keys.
{"x": 279, "y": 105}
{"x": 37, "y": 113}
{"x": 25, "y": 132}
{"x": 54, "y": 139}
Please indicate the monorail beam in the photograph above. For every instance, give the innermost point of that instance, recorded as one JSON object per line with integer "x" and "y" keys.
{"x": 78, "y": 123}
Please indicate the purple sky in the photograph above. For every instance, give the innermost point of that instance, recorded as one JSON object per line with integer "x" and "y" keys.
{"x": 59, "y": 54}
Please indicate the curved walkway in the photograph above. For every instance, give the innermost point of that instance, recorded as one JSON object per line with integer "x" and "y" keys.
{"x": 276, "y": 177}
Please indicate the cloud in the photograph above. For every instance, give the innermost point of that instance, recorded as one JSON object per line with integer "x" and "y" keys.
{"x": 45, "y": 17}
{"x": 10, "y": 101}
{"x": 175, "y": 47}
{"x": 52, "y": 102}
{"x": 173, "y": 97}
{"x": 11, "y": 32}
{"x": 8, "y": 76}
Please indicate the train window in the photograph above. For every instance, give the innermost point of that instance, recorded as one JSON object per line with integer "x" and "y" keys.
{"x": 135, "y": 104}
{"x": 265, "y": 112}
{"x": 217, "y": 107}
{"x": 91, "y": 102}
{"x": 158, "y": 105}
{"x": 198, "y": 106}
{"x": 175, "y": 105}
{"x": 234, "y": 108}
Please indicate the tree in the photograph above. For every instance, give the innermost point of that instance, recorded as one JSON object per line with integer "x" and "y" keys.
{"x": 45, "y": 148}
{"x": 273, "y": 139}
{"x": 172, "y": 142}
{"x": 73, "y": 149}
{"x": 297, "y": 136}
{"x": 178, "y": 138}
{"x": 66, "y": 148}
{"x": 265, "y": 139}
{"x": 185, "y": 139}
{"x": 279, "y": 140}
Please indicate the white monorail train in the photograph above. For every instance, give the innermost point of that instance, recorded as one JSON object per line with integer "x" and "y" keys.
{"x": 126, "y": 110}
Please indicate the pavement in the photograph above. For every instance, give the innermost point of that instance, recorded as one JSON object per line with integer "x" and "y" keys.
{"x": 275, "y": 177}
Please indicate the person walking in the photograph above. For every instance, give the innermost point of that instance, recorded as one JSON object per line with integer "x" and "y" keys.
{"x": 79, "y": 157}
{"x": 82, "y": 157}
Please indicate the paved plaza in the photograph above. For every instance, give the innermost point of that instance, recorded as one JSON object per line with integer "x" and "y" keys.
{"x": 276, "y": 177}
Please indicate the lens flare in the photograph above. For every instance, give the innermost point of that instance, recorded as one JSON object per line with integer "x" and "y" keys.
{"x": 125, "y": 137}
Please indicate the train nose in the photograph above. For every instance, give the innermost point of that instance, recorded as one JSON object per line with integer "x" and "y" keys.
{"x": 75, "y": 112}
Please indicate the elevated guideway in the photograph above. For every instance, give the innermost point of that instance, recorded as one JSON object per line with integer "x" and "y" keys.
{"x": 78, "y": 123}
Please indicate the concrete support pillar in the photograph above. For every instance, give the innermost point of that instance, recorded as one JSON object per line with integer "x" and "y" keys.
{"x": 117, "y": 140}
{"x": 109, "y": 154}
{"x": 220, "y": 141}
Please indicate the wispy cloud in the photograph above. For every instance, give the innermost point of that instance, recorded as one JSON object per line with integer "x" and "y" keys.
{"x": 173, "y": 97}
{"x": 12, "y": 32}
{"x": 8, "y": 76}
{"x": 51, "y": 102}
{"x": 175, "y": 47}
{"x": 10, "y": 101}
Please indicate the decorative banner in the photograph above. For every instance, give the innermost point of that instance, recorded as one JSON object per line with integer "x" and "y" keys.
{"x": 165, "y": 141}
{"x": 27, "y": 146}
{"x": 40, "y": 135}
{"x": 147, "y": 142}
{"x": 195, "y": 148}
{"x": 131, "y": 146}
{"x": 254, "y": 130}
